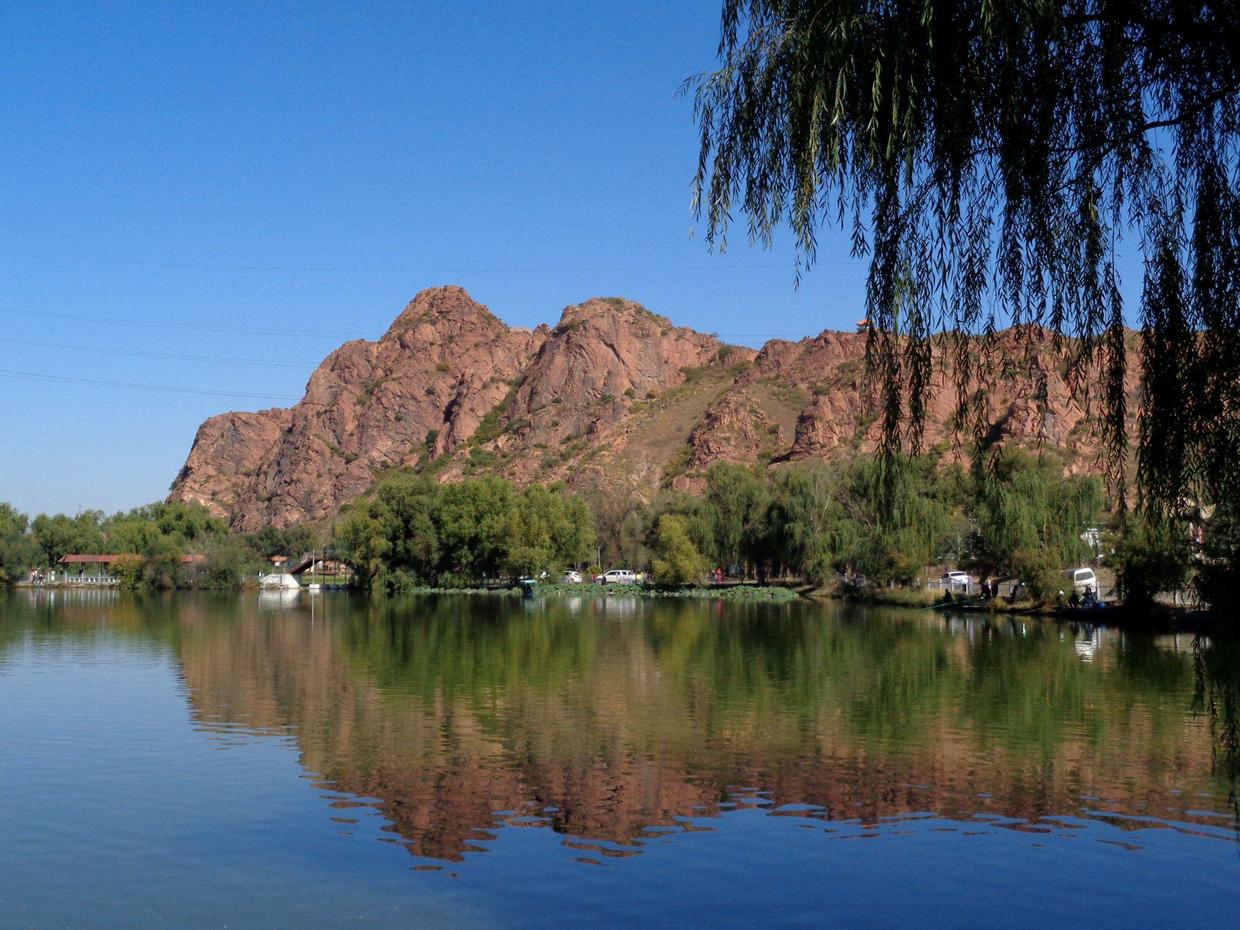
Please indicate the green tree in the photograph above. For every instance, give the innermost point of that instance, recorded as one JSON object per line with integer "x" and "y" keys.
{"x": 411, "y": 530}
{"x": 1218, "y": 573}
{"x": 1029, "y": 516}
{"x": 272, "y": 540}
{"x": 805, "y": 523}
{"x": 17, "y": 549}
{"x": 677, "y": 560}
{"x": 473, "y": 519}
{"x": 737, "y": 500}
{"x": 364, "y": 542}
{"x": 698, "y": 519}
{"x": 229, "y": 560}
{"x": 60, "y": 535}
{"x": 162, "y": 528}
{"x": 896, "y": 519}
{"x": 1038, "y": 569}
{"x": 547, "y": 530}
{"x": 985, "y": 154}
{"x": 620, "y": 518}
{"x": 394, "y": 531}
{"x": 1151, "y": 557}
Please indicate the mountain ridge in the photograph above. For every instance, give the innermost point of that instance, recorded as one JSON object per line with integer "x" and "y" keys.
{"x": 614, "y": 397}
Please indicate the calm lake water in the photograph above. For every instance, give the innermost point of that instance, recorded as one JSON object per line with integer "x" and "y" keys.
{"x": 250, "y": 762}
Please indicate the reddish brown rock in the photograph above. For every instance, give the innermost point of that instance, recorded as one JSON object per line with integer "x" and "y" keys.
{"x": 424, "y": 385}
{"x": 225, "y": 457}
{"x": 614, "y": 398}
{"x": 594, "y": 379}
{"x": 611, "y": 349}
{"x": 737, "y": 428}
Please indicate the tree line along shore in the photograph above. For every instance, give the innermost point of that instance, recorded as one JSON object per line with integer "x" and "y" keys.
{"x": 862, "y": 528}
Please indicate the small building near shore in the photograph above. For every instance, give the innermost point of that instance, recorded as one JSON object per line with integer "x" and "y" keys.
{"x": 91, "y": 563}
{"x": 88, "y": 568}
{"x": 96, "y": 568}
{"x": 325, "y": 565}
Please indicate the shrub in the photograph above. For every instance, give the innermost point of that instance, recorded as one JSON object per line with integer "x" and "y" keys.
{"x": 1150, "y": 558}
{"x": 128, "y": 569}
{"x": 1038, "y": 569}
{"x": 677, "y": 560}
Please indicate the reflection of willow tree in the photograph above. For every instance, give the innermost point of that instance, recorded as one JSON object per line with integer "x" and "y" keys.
{"x": 86, "y": 614}
{"x": 449, "y": 710}
{"x": 986, "y": 155}
{"x": 1217, "y": 694}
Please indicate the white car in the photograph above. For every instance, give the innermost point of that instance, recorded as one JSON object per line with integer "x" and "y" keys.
{"x": 619, "y": 576}
{"x": 1082, "y": 578}
{"x": 571, "y": 577}
{"x": 956, "y": 581}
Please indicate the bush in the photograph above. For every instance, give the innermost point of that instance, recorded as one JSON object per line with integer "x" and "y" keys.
{"x": 17, "y": 549}
{"x": 128, "y": 569}
{"x": 1038, "y": 569}
{"x": 1218, "y": 577}
{"x": 1150, "y": 558}
{"x": 677, "y": 560}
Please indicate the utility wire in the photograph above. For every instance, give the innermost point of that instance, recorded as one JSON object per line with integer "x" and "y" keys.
{"x": 252, "y": 331}
{"x": 231, "y": 266}
{"x": 130, "y": 385}
{"x": 110, "y": 350}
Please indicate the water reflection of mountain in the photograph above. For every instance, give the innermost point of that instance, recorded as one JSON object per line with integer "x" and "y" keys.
{"x": 450, "y": 711}
{"x": 604, "y": 724}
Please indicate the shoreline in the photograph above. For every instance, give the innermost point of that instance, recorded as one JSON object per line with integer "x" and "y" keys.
{"x": 1162, "y": 619}
{"x": 738, "y": 592}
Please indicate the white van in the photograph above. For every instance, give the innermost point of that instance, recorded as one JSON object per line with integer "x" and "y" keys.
{"x": 619, "y": 576}
{"x": 1082, "y": 578}
{"x": 955, "y": 581}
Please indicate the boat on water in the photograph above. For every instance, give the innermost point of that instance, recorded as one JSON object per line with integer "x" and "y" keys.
{"x": 279, "y": 581}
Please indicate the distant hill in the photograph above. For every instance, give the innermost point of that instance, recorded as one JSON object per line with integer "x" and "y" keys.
{"x": 613, "y": 397}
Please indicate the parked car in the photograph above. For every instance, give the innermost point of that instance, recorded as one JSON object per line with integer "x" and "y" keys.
{"x": 955, "y": 581}
{"x": 1082, "y": 579}
{"x": 619, "y": 576}
{"x": 571, "y": 576}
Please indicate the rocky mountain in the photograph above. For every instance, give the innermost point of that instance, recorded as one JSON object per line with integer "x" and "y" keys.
{"x": 614, "y": 397}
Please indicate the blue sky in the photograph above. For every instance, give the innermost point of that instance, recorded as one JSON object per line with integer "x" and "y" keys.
{"x": 264, "y": 181}
{"x": 210, "y": 197}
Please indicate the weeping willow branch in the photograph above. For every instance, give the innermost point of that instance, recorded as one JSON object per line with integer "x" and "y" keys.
{"x": 990, "y": 157}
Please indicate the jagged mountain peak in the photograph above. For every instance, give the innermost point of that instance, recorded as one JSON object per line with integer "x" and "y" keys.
{"x": 614, "y": 397}
{"x": 437, "y": 310}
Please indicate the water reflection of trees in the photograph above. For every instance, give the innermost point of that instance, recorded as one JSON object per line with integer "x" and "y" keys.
{"x": 603, "y": 723}
{"x": 1216, "y": 694}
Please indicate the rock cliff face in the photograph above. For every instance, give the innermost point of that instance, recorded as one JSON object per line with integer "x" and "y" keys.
{"x": 421, "y": 390}
{"x": 614, "y": 398}
{"x": 226, "y": 455}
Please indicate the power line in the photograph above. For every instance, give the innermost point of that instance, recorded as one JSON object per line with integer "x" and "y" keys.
{"x": 339, "y": 269}
{"x": 130, "y": 385}
{"x": 110, "y": 350}
{"x": 334, "y": 333}
{"x": 172, "y": 324}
